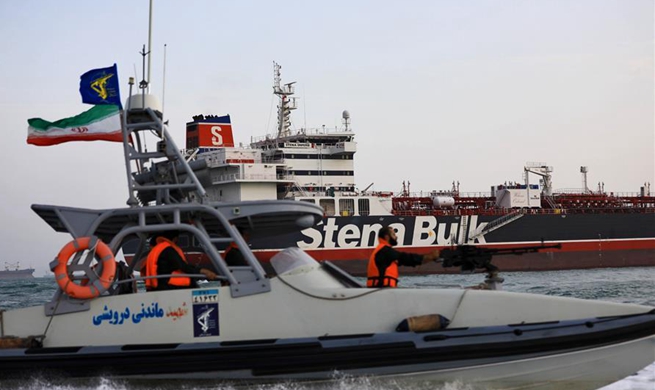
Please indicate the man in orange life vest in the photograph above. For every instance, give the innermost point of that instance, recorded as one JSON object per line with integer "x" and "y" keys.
{"x": 384, "y": 261}
{"x": 233, "y": 256}
{"x": 167, "y": 258}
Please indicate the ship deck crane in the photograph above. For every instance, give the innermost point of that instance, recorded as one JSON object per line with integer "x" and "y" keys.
{"x": 543, "y": 170}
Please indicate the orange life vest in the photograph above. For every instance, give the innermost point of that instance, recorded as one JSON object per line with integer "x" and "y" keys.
{"x": 232, "y": 245}
{"x": 390, "y": 276}
{"x": 151, "y": 265}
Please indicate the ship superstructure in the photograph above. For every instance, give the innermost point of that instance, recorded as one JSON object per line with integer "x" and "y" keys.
{"x": 319, "y": 160}
{"x": 311, "y": 165}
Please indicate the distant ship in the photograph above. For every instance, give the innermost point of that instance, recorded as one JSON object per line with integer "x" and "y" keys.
{"x": 13, "y": 271}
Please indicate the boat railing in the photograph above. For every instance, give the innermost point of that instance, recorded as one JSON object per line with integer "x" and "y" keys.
{"x": 481, "y": 194}
{"x": 11, "y": 266}
{"x": 559, "y": 193}
{"x": 146, "y": 120}
{"x": 166, "y": 276}
{"x": 551, "y": 202}
{"x": 534, "y": 211}
{"x": 577, "y": 191}
{"x": 337, "y": 194}
{"x": 427, "y": 194}
{"x": 243, "y": 176}
{"x": 301, "y": 132}
{"x": 217, "y": 160}
{"x": 144, "y": 222}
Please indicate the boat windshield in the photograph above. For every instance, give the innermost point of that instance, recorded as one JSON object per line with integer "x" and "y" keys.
{"x": 291, "y": 259}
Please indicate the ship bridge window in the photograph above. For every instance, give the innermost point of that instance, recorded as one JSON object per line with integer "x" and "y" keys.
{"x": 308, "y": 201}
{"x": 347, "y": 207}
{"x": 364, "y": 207}
{"x": 328, "y": 206}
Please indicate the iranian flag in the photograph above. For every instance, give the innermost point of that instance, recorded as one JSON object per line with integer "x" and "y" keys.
{"x": 100, "y": 123}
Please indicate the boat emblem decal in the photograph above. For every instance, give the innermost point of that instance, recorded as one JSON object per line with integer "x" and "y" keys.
{"x": 205, "y": 313}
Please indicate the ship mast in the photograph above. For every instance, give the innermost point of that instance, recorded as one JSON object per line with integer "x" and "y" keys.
{"x": 286, "y": 104}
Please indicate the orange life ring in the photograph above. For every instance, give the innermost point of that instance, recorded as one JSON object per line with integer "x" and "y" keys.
{"x": 85, "y": 291}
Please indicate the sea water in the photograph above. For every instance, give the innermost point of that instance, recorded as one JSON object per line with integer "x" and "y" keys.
{"x": 627, "y": 285}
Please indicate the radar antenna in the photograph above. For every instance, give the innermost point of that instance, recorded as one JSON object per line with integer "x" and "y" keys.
{"x": 346, "y": 120}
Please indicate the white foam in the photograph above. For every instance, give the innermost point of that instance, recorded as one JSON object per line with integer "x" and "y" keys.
{"x": 643, "y": 380}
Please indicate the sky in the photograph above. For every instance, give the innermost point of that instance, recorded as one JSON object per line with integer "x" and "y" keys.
{"x": 438, "y": 91}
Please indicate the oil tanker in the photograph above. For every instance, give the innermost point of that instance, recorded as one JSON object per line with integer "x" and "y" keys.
{"x": 595, "y": 228}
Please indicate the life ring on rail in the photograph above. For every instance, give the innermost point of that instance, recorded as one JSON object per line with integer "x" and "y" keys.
{"x": 92, "y": 288}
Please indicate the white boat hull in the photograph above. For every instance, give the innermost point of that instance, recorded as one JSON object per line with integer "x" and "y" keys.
{"x": 589, "y": 369}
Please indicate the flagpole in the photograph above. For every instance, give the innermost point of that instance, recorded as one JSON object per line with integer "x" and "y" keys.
{"x": 149, "y": 43}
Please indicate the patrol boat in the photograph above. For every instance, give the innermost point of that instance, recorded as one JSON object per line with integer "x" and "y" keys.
{"x": 305, "y": 322}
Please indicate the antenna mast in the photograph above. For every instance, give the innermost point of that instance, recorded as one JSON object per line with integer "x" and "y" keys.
{"x": 143, "y": 84}
{"x": 149, "y": 43}
{"x": 163, "y": 86}
{"x": 286, "y": 103}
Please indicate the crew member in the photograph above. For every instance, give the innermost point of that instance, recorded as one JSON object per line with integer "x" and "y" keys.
{"x": 233, "y": 256}
{"x": 166, "y": 258}
{"x": 384, "y": 261}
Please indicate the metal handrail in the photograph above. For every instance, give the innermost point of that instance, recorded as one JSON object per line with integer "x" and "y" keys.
{"x": 244, "y": 176}
{"x": 137, "y": 278}
{"x": 303, "y": 131}
{"x": 558, "y": 211}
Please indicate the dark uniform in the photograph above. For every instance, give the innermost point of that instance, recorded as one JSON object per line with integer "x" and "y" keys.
{"x": 234, "y": 257}
{"x": 167, "y": 258}
{"x": 383, "y": 265}
{"x": 169, "y": 262}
